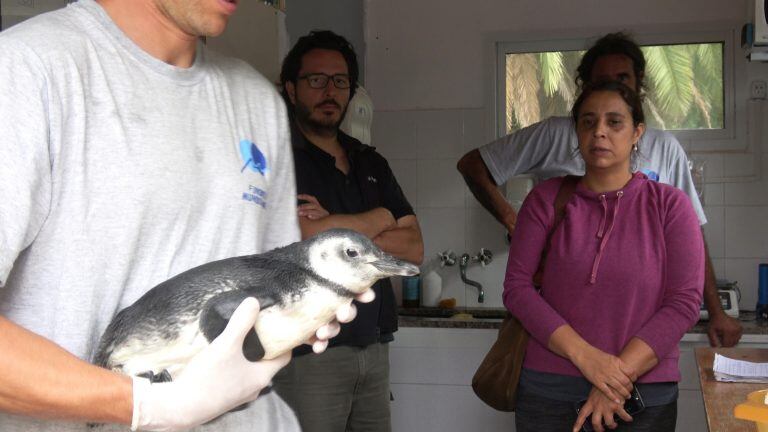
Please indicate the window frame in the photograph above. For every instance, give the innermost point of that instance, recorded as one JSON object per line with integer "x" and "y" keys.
{"x": 722, "y": 139}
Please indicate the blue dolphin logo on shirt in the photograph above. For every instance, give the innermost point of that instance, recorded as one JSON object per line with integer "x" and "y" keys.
{"x": 253, "y": 157}
{"x": 651, "y": 174}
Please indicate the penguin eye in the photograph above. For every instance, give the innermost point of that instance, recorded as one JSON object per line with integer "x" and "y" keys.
{"x": 351, "y": 253}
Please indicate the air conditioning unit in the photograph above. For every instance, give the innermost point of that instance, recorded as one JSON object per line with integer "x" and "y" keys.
{"x": 761, "y": 22}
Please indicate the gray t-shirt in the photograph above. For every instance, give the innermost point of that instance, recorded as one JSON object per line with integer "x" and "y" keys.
{"x": 550, "y": 148}
{"x": 121, "y": 171}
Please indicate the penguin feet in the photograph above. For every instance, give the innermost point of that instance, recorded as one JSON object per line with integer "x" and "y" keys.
{"x": 163, "y": 376}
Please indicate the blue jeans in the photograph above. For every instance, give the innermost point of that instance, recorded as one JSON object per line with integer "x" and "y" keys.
{"x": 539, "y": 414}
{"x": 344, "y": 389}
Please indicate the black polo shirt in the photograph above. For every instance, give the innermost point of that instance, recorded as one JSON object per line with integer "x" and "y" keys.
{"x": 369, "y": 184}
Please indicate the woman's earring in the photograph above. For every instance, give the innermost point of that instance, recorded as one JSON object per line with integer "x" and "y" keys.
{"x": 633, "y": 158}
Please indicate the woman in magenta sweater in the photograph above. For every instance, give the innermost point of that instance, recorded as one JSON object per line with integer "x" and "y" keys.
{"x": 621, "y": 285}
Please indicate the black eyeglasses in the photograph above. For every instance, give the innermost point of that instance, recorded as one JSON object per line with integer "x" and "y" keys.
{"x": 320, "y": 80}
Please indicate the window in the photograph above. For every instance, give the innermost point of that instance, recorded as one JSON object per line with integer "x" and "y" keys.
{"x": 687, "y": 82}
{"x": 684, "y": 86}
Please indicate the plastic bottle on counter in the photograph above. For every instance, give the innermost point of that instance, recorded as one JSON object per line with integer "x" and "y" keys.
{"x": 431, "y": 288}
{"x": 411, "y": 292}
{"x": 761, "y": 310}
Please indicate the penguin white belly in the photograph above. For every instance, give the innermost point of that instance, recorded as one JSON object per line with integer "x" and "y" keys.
{"x": 138, "y": 357}
{"x": 280, "y": 330}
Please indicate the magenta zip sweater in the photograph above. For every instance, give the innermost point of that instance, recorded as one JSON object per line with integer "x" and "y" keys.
{"x": 622, "y": 264}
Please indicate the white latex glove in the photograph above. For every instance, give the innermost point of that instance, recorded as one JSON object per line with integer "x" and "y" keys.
{"x": 215, "y": 381}
{"x": 344, "y": 314}
{"x": 220, "y": 378}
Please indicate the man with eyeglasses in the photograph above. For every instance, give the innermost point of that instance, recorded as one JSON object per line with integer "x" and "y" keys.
{"x": 342, "y": 183}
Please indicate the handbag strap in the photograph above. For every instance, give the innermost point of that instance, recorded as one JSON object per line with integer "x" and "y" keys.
{"x": 564, "y": 194}
{"x": 567, "y": 186}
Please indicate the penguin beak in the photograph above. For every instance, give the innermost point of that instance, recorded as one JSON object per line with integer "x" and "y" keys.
{"x": 391, "y": 266}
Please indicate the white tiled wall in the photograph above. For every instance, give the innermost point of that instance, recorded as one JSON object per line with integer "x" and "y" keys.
{"x": 422, "y": 147}
{"x": 427, "y": 69}
{"x": 737, "y": 211}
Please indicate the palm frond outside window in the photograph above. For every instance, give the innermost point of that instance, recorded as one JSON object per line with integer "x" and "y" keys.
{"x": 684, "y": 86}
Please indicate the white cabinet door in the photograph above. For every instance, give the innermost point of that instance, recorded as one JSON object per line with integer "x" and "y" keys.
{"x": 444, "y": 408}
{"x": 431, "y": 373}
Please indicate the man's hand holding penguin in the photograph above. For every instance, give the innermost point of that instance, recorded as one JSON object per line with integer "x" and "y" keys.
{"x": 222, "y": 370}
{"x": 210, "y": 339}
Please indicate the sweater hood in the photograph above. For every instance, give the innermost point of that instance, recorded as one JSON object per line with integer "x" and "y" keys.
{"x": 630, "y": 189}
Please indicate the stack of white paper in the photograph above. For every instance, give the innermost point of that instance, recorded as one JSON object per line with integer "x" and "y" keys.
{"x": 730, "y": 370}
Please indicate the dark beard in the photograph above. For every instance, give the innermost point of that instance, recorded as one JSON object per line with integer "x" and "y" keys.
{"x": 303, "y": 117}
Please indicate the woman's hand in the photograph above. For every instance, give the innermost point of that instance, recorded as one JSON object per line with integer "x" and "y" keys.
{"x": 312, "y": 209}
{"x": 602, "y": 410}
{"x": 608, "y": 373}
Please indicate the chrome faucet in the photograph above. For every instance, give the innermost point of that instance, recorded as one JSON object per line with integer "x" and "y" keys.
{"x": 484, "y": 257}
{"x": 447, "y": 258}
{"x": 463, "y": 263}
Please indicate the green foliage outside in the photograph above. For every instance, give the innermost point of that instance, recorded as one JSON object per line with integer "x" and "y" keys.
{"x": 684, "y": 86}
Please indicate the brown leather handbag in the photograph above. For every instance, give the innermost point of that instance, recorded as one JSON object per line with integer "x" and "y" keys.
{"x": 495, "y": 381}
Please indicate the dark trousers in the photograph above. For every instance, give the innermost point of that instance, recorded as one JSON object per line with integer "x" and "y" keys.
{"x": 344, "y": 389}
{"x": 539, "y": 414}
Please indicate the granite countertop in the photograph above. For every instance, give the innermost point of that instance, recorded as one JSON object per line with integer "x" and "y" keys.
{"x": 460, "y": 317}
{"x": 490, "y": 318}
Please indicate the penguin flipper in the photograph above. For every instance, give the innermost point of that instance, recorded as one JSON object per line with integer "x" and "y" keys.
{"x": 219, "y": 309}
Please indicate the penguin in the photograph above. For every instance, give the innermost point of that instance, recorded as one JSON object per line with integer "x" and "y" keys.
{"x": 299, "y": 288}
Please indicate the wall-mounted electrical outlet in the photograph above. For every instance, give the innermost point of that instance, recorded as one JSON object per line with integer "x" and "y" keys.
{"x": 26, "y": 3}
{"x": 757, "y": 90}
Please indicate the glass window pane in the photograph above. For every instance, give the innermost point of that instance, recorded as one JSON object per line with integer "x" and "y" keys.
{"x": 684, "y": 86}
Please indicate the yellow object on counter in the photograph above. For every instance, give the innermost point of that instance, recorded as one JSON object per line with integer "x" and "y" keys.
{"x": 462, "y": 316}
{"x": 447, "y": 303}
{"x": 755, "y": 409}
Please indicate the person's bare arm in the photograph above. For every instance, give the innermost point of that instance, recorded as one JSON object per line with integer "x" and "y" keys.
{"x": 722, "y": 329}
{"x": 485, "y": 190}
{"x": 40, "y": 379}
{"x": 404, "y": 241}
{"x": 370, "y": 223}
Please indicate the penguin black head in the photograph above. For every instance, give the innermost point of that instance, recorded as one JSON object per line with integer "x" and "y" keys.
{"x": 352, "y": 260}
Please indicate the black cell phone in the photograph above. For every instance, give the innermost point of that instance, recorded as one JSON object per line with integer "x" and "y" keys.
{"x": 633, "y": 405}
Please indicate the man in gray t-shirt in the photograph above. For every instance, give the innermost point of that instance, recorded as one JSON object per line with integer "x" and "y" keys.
{"x": 549, "y": 148}
{"x": 127, "y": 159}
